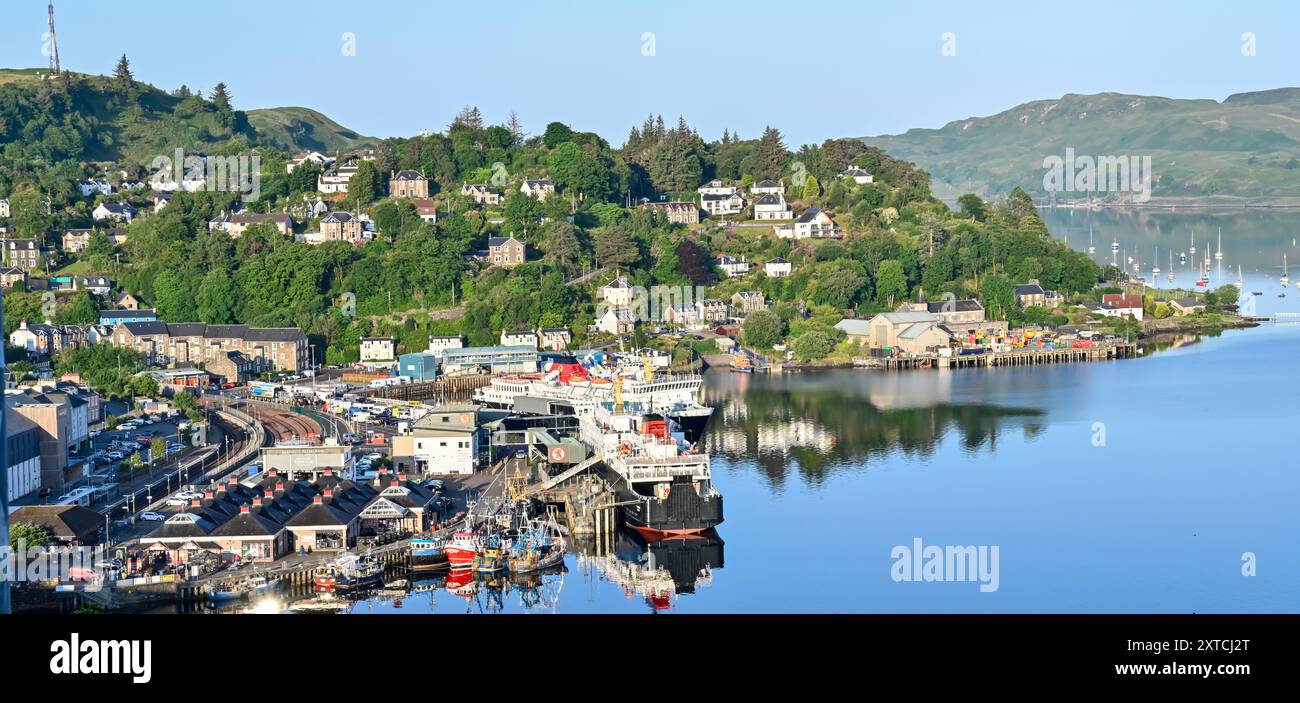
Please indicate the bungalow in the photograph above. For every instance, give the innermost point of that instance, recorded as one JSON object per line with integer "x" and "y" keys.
{"x": 772, "y": 207}
{"x": 911, "y": 332}
{"x": 482, "y": 194}
{"x": 538, "y": 189}
{"x": 1188, "y": 305}
{"x": 117, "y": 212}
{"x": 99, "y": 285}
{"x": 408, "y": 184}
{"x": 505, "y": 251}
{"x": 519, "y": 338}
{"x": 1122, "y": 305}
{"x": 554, "y": 338}
{"x": 858, "y": 175}
{"x": 733, "y": 266}
{"x": 616, "y": 321}
{"x": 235, "y": 225}
{"x": 768, "y": 186}
{"x": 426, "y": 210}
{"x": 778, "y": 268}
{"x": 68, "y": 524}
{"x": 378, "y": 349}
{"x": 815, "y": 223}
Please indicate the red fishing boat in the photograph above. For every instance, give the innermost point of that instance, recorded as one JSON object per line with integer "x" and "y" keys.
{"x": 461, "y": 549}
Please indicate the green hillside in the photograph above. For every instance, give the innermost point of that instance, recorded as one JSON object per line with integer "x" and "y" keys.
{"x": 298, "y": 128}
{"x": 86, "y": 118}
{"x": 1245, "y": 147}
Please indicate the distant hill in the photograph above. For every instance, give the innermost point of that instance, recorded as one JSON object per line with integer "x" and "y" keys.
{"x": 299, "y": 128}
{"x": 1245, "y": 147}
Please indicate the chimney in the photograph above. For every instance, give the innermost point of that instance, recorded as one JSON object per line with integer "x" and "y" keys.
{"x": 279, "y": 486}
{"x": 383, "y": 470}
{"x": 257, "y": 502}
{"x": 268, "y": 494}
{"x": 395, "y": 483}
{"x": 273, "y": 473}
{"x": 329, "y": 492}
{"x": 209, "y": 494}
{"x": 318, "y": 501}
{"x": 196, "y": 503}
{"x": 243, "y": 509}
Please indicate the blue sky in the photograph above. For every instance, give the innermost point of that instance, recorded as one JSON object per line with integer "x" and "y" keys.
{"x": 812, "y": 69}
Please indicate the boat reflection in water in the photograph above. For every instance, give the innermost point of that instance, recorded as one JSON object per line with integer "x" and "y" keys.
{"x": 491, "y": 592}
{"x": 660, "y": 570}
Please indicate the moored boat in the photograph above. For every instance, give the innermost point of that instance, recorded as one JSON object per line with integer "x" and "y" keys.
{"x": 428, "y": 554}
{"x": 461, "y": 549}
{"x": 349, "y": 574}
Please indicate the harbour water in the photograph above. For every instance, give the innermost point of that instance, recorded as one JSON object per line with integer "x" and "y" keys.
{"x": 1144, "y": 485}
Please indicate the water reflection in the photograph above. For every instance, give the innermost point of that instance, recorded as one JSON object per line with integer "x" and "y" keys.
{"x": 660, "y": 571}
{"x": 822, "y": 420}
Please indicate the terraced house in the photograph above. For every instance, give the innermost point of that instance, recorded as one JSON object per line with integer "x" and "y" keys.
{"x": 196, "y": 343}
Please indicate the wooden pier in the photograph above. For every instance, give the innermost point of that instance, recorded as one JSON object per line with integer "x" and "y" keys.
{"x": 444, "y": 390}
{"x": 1028, "y": 356}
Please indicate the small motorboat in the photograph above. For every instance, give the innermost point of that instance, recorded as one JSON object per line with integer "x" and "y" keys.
{"x": 254, "y": 587}
{"x": 428, "y": 555}
{"x": 741, "y": 363}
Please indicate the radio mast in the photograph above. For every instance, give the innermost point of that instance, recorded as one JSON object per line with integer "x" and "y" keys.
{"x": 54, "y": 45}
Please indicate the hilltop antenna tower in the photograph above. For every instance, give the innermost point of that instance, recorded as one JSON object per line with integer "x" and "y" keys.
{"x": 54, "y": 45}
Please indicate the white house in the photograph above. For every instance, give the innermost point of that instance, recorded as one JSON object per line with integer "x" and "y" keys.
{"x": 778, "y": 268}
{"x": 519, "y": 338}
{"x": 858, "y": 175}
{"x": 378, "y": 349}
{"x": 617, "y": 321}
{"x": 437, "y": 345}
{"x": 716, "y": 187}
{"x": 538, "y": 189}
{"x": 815, "y": 223}
{"x": 313, "y": 156}
{"x": 716, "y": 204}
{"x": 336, "y": 180}
{"x": 768, "y": 186}
{"x": 444, "y": 441}
{"x": 733, "y": 266}
{"x": 617, "y": 292}
{"x": 117, "y": 212}
{"x": 772, "y": 207}
{"x": 4, "y": 207}
{"x": 95, "y": 186}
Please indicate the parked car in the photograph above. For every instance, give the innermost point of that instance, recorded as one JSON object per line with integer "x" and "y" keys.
{"x": 151, "y": 516}
{"x": 177, "y": 502}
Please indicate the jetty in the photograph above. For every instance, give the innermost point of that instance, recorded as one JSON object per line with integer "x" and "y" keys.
{"x": 1014, "y": 357}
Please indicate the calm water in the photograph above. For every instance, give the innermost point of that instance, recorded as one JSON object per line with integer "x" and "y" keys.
{"x": 825, "y": 473}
